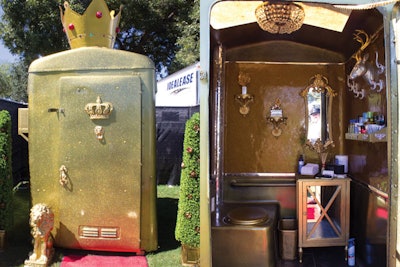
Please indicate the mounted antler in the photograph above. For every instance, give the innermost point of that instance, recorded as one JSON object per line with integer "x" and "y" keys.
{"x": 363, "y": 68}
{"x": 364, "y": 43}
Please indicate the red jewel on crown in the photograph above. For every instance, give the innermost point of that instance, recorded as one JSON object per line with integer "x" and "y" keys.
{"x": 99, "y": 14}
{"x": 117, "y": 30}
{"x": 71, "y": 26}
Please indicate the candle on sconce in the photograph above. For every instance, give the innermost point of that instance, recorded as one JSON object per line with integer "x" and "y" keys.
{"x": 244, "y": 90}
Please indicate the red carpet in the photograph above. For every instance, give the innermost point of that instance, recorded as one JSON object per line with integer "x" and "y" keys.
{"x": 103, "y": 261}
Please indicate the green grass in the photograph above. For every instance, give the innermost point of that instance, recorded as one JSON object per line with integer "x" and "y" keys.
{"x": 169, "y": 258}
{"x": 18, "y": 238}
{"x": 168, "y": 254}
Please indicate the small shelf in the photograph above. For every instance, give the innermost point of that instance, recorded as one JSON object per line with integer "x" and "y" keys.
{"x": 323, "y": 230}
{"x": 379, "y": 136}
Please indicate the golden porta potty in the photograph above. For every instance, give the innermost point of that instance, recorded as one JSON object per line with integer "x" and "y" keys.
{"x": 92, "y": 146}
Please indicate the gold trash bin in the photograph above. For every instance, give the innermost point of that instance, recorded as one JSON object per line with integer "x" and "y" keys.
{"x": 92, "y": 147}
{"x": 288, "y": 239}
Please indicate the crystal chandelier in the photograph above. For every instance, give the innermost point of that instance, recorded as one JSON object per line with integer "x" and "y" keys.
{"x": 279, "y": 17}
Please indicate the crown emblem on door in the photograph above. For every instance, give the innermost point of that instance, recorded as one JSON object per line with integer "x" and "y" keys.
{"x": 99, "y": 110}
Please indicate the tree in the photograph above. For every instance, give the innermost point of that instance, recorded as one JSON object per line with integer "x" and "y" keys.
{"x": 158, "y": 29}
{"x": 32, "y": 28}
{"x": 4, "y": 81}
{"x": 14, "y": 81}
{"x": 189, "y": 42}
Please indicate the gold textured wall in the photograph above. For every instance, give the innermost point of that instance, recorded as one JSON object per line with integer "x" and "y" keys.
{"x": 249, "y": 145}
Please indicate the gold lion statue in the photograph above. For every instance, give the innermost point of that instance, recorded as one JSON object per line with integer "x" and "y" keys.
{"x": 41, "y": 221}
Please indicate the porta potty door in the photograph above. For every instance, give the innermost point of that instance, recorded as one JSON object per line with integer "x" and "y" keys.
{"x": 100, "y": 162}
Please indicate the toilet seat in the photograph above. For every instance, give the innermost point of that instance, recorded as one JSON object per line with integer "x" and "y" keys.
{"x": 247, "y": 216}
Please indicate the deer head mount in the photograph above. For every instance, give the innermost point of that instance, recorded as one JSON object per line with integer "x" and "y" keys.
{"x": 363, "y": 68}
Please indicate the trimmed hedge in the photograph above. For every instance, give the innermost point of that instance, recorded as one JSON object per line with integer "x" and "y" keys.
{"x": 187, "y": 229}
{"x": 6, "y": 181}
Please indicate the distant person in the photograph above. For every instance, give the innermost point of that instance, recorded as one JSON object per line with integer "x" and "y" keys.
{"x": 314, "y": 124}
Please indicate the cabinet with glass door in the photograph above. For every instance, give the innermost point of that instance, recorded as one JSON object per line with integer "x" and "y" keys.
{"x": 323, "y": 213}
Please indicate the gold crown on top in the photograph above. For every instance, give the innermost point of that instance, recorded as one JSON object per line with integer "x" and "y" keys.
{"x": 96, "y": 27}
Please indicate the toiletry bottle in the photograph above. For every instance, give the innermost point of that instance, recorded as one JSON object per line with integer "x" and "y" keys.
{"x": 351, "y": 259}
{"x": 301, "y": 163}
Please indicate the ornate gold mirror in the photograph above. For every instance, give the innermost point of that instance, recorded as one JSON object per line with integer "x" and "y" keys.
{"x": 318, "y": 96}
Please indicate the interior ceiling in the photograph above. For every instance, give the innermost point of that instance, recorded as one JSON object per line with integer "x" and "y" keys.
{"x": 234, "y": 24}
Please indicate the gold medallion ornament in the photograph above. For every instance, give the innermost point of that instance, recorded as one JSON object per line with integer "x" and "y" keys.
{"x": 96, "y": 27}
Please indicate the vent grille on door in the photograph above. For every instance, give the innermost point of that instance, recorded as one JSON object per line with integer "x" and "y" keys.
{"x": 98, "y": 232}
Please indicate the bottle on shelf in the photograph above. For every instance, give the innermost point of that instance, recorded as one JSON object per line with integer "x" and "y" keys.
{"x": 351, "y": 259}
{"x": 300, "y": 163}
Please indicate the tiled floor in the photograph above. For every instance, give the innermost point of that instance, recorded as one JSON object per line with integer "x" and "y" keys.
{"x": 320, "y": 257}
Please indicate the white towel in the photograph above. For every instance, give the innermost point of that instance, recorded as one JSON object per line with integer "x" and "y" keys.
{"x": 310, "y": 169}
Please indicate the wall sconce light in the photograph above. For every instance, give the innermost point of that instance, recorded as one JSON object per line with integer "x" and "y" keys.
{"x": 244, "y": 99}
{"x": 276, "y": 118}
{"x": 279, "y": 17}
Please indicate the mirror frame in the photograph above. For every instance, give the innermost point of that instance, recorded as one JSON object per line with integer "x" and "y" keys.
{"x": 319, "y": 83}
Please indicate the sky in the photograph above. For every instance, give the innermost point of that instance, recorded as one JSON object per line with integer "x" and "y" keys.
{"x": 5, "y": 55}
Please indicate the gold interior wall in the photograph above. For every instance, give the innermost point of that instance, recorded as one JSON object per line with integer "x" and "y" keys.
{"x": 249, "y": 145}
